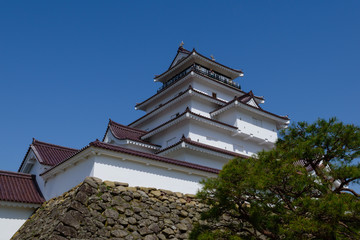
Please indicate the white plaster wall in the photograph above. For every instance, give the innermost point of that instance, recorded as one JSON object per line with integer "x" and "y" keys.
{"x": 246, "y": 123}
{"x": 11, "y": 219}
{"x": 64, "y": 181}
{"x": 202, "y": 107}
{"x": 165, "y": 115}
{"x": 37, "y": 169}
{"x": 139, "y": 174}
{"x": 170, "y": 94}
{"x": 228, "y": 117}
{"x": 200, "y": 158}
{"x": 208, "y": 87}
{"x": 222, "y": 139}
{"x": 171, "y": 135}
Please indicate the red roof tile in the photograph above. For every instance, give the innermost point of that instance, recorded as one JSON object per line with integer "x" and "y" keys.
{"x": 123, "y": 132}
{"x": 49, "y": 154}
{"x": 19, "y": 187}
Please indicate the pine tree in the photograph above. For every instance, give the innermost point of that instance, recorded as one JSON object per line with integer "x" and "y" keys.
{"x": 299, "y": 190}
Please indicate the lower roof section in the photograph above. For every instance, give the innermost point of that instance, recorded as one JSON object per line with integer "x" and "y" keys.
{"x": 90, "y": 149}
{"x": 187, "y": 141}
{"x": 19, "y": 188}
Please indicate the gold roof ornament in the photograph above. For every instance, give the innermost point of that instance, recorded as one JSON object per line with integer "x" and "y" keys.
{"x": 181, "y": 44}
{"x": 212, "y": 57}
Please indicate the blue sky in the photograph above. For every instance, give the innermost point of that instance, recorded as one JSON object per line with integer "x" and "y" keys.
{"x": 66, "y": 67}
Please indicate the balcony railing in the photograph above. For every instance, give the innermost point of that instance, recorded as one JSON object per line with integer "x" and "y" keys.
{"x": 215, "y": 75}
{"x": 175, "y": 78}
{"x": 202, "y": 70}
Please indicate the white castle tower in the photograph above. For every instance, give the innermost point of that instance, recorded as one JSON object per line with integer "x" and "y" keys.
{"x": 200, "y": 115}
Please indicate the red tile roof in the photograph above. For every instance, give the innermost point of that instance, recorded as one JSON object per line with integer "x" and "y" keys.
{"x": 151, "y": 156}
{"x": 244, "y": 99}
{"x": 49, "y": 154}
{"x": 19, "y": 187}
{"x": 123, "y": 132}
{"x": 205, "y": 146}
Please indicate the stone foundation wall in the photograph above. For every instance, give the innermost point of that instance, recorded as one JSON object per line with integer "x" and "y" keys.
{"x": 102, "y": 210}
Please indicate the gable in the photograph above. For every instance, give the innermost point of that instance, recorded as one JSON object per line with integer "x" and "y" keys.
{"x": 179, "y": 56}
{"x": 29, "y": 161}
{"x": 252, "y": 102}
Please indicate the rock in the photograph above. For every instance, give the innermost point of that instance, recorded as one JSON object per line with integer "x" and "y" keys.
{"x": 121, "y": 184}
{"x": 57, "y": 237}
{"x": 182, "y": 227}
{"x": 132, "y": 220}
{"x": 136, "y": 209}
{"x": 137, "y": 195}
{"x": 111, "y": 213}
{"x": 150, "y": 237}
{"x": 154, "y": 228}
{"x": 104, "y": 210}
{"x": 156, "y": 193}
{"x": 128, "y": 213}
{"x": 183, "y": 213}
{"x": 65, "y": 230}
{"x": 161, "y": 236}
{"x": 109, "y": 184}
{"x": 81, "y": 197}
{"x": 127, "y": 198}
{"x": 131, "y": 189}
{"x": 106, "y": 197}
{"x": 119, "y": 233}
{"x": 178, "y": 194}
{"x": 168, "y": 231}
{"x": 119, "y": 190}
{"x": 93, "y": 181}
{"x": 79, "y": 207}
{"x": 144, "y": 231}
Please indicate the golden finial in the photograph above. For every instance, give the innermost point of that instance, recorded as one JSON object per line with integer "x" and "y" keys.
{"x": 181, "y": 44}
{"x": 212, "y": 57}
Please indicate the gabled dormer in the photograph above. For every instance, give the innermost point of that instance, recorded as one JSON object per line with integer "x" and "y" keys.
{"x": 180, "y": 55}
{"x": 128, "y": 137}
{"x": 45, "y": 155}
{"x": 249, "y": 99}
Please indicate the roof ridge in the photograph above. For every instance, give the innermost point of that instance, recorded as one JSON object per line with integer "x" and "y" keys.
{"x": 203, "y": 145}
{"x": 126, "y": 127}
{"x": 53, "y": 145}
{"x": 15, "y": 174}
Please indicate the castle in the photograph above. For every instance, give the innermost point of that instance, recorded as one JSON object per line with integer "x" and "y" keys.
{"x": 197, "y": 121}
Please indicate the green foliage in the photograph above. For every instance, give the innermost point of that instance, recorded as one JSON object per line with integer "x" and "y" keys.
{"x": 276, "y": 196}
